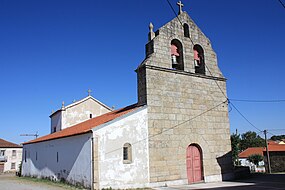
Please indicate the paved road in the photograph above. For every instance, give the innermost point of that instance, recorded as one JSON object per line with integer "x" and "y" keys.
{"x": 11, "y": 182}
{"x": 256, "y": 182}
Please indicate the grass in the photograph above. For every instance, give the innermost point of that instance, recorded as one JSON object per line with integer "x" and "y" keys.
{"x": 49, "y": 182}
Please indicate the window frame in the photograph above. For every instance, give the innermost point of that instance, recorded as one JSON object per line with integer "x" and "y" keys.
{"x": 127, "y": 153}
{"x": 13, "y": 165}
{"x": 14, "y": 153}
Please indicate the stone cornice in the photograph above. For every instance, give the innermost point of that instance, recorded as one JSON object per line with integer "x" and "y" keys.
{"x": 184, "y": 73}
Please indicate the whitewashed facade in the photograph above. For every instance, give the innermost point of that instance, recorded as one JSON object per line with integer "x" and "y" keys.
{"x": 111, "y": 137}
{"x": 11, "y": 159}
{"x": 70, "y": 158}
{"x": 77, "y": 112}
{"x": 67, "y": 159}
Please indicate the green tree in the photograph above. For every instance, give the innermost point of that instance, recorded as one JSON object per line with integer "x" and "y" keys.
{"x": 255, "y": 158}
{"x": 235, "y": 142}
{"x": 251, "y": 139}
{"x": 277, "y": 137}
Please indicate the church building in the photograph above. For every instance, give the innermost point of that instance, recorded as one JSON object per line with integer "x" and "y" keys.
{"x": 177, "y": 133}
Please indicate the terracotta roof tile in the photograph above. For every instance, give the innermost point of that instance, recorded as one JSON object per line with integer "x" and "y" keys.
{"x": 86, "y": 126}
{"x": 276, "y": 148}
{"x": 250, "y": 151}
{"x": 7, "y": 144}
{"x": 272, "y": 142}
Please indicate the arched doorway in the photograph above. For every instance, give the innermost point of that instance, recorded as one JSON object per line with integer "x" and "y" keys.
{"x": 194, "y": 164}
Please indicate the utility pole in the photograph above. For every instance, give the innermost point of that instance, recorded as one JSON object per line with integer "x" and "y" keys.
{"x": 267, "y": 152}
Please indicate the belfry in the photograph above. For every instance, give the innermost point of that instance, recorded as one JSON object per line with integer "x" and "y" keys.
{"x": 181, "y": 83}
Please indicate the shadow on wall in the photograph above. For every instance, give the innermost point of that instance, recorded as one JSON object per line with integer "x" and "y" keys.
{"x": 61, "y": 160}
{"x": 227, "y": 167}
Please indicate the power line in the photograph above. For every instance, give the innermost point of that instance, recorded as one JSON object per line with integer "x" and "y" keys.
{"x": 282, "y": 3}
{"x": 270, "y": 133}
{"x": 217, "y": 83}
{"x": 245, "y": 117}
{"x": 276, "y": 129}
{"x": 163, "y": 131}
{"x": 258, "y": 101}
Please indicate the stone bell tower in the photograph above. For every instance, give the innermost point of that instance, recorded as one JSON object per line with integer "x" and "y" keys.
{"x": 185, "y": 93}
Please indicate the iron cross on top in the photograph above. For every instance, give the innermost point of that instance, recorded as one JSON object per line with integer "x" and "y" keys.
{"x": 179, "y": 3}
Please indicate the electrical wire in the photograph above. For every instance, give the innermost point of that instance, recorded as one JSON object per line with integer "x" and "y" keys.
{"x": 245, "y": 118}
{"x": 176, "y": 15}
{"x": 230, "y": 103}
{"x": 257, "y": 101}
{"x": 175, "y": 126}
{"x": 277, "y": 129}
{"x": 282, "y": 3}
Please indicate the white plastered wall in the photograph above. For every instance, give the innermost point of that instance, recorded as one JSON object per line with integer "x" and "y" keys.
{"x": 132, "y": 128}
{"x": 81, "y": 112}
{"x": 77, "y": 113}
{"x": 12, "y": 159}
{"x": 73, "y": 163}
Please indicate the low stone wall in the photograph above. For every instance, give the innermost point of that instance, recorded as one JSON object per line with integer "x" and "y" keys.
{"x": 277, "y": 161}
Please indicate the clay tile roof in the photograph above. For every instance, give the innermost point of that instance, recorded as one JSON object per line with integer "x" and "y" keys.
{"x": 86, "y": 126}
{"x": 276, "y": 148}
{"x": 272, "y": 142}
{"x": 250, "y": 151}
{"x": 7, "y": 144}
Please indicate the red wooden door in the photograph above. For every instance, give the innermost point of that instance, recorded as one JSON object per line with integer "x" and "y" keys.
{"x": 194, "y": 164}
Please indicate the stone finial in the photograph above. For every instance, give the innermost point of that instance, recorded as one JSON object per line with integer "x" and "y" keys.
{"x": 89, "y": 92}
{"x": 62, "y": 105}
{"x": 179, "y": 3}
{"x": 151, "y": 34}
{"x": 150, "y": 27}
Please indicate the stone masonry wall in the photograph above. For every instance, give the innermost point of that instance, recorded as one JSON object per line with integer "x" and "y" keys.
{"x": 174, "y": 98}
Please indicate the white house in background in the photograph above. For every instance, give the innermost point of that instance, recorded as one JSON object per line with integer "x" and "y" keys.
{"x": 10, "y": 156}
{"x": 243, "y": 158}
{"x": 77, "y": 112}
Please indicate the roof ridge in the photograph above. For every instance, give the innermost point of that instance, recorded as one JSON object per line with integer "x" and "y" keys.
{"x": 8, "y": 144}
{"x": 88, "y": 125}
{"x": 80, "y": 101}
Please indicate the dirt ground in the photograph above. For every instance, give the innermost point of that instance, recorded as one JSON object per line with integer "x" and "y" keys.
{"x": 12, "y": 182}
{"x": 255, "y": 182}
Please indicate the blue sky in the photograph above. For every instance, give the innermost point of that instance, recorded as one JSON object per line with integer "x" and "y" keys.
{"x": 53, "y": 51}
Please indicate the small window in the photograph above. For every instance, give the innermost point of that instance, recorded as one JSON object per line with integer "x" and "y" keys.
{"x": 25, "y": 156}
{"x": 90, "y": 115}
{"x": 54, "y": 129}
{"x": 14, "y": 153}
{"x": 186, "y": 30}
{"x": 36, "y": 155}
{"x": 13, "y": 166}
{"x": 2, "y": 153}
{"x": 127, "y": 153}
{"x": 57, "y": 159}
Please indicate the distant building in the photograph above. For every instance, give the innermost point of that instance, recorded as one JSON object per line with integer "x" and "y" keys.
{"x": 243, "y": 158}
{"x": 277, "y": 157}
{"x": 10, "y": 156}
